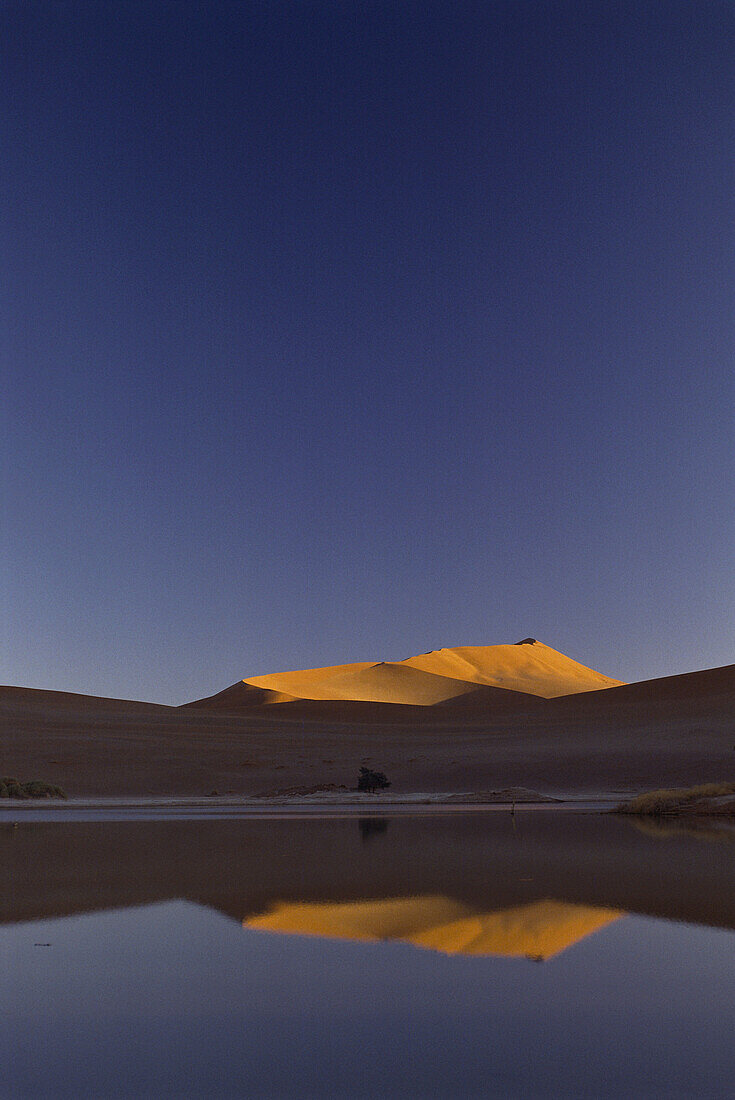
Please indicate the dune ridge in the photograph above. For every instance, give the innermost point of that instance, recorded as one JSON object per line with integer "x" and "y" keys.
{"x": 23, "y": 700}
{"x": 527, "y": 668}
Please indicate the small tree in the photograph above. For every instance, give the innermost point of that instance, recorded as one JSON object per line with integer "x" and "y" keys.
{"x": 371, "y": 781}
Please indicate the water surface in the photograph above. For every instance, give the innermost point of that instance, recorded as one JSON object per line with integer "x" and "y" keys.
{"x": 549, "y": 954}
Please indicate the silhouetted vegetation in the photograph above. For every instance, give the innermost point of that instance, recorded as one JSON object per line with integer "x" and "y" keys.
{"x": 36, "y": 788}
{"x": 661, "y": 802}
{"x": 371, "y": 781}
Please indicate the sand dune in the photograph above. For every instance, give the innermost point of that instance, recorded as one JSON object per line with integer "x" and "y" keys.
{"x": 384, "y": 682}
{"x": 528, "y": 667}
{"x": 394, "y": 682}
{"x": 242, "y": 696}
{"x": 389, "y": 683}
{"x": 308, "y": 683}
{"x": 22, "y": 700}
{"x": 537, "y": 930}
{"x": 709, "y": 684}
{"x": 674, "y": 731}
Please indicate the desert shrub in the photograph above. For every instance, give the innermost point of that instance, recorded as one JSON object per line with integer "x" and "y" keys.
{"x": 667, "y": 801}
{"x": 371, "y": 781}
{"x": 36, "y": 788}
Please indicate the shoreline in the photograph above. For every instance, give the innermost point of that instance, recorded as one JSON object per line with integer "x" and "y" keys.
{"x": 209, "y": 808}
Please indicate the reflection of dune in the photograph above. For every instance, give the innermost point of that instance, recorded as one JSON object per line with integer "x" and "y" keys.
{"x": 530, "y": 668}
{"x": 536, "y": 930}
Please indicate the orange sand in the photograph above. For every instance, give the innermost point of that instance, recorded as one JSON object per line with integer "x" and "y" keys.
{"x": 429, "y": 678}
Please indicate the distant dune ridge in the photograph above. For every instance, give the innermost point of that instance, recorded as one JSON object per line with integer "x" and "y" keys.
{"x": 528, "y": 667}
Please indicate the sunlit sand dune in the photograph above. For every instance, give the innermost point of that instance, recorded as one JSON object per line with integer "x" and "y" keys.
{"x": 537, "y": 930}
{"x": 308, "y": 683}
{"x": 383, "y": 693}
{"x": 529, "y": 668}
{"x": 243, "y": 696}
{"x": 394, "y": 682}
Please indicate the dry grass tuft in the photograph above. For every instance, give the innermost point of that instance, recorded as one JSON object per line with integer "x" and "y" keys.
{"x": 658, "y": 803}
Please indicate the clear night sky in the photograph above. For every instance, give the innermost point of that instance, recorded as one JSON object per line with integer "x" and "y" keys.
{"x": 339, "y": 331}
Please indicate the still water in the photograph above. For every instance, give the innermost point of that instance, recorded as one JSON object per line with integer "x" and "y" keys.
{"x": 548, "y": 955}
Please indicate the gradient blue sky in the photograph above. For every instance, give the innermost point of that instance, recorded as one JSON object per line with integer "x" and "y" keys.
{"x": 338, "y": 331}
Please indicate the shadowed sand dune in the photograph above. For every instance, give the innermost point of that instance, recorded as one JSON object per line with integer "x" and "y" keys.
{"x": 38, "y": 700}
{"x": 674, "y": 731}
{"x": 489, "y": 701}
{"x": 528, "y": 667}
{"x": 537, "y": 930}
{"x": 709, "y": 686}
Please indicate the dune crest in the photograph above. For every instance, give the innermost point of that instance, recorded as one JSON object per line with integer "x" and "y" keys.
{"x": 538, "y": 930}
{"x": 526, "y": 668}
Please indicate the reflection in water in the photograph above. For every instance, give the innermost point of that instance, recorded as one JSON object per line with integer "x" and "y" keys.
{"x": 481, "y": 865}
{"x": 372, "y": 826}
{"x": 165, "y": 983}
{"x": 709, "y": 829}
{"x": 537, "y": 930}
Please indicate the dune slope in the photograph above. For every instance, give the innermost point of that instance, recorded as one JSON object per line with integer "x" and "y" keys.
{"x": 527, "y": 668}
{"x": 21, "y": 700}
{"x": 395, "y": 682}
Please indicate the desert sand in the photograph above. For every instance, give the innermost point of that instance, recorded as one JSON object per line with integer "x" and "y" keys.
{"x": 528, "y": 666}
{"x": 674, "y": 731}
